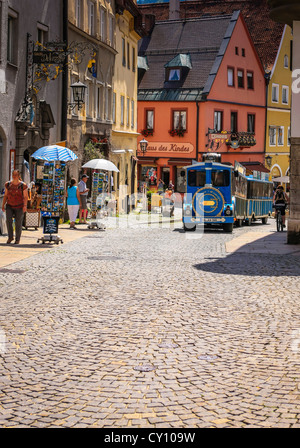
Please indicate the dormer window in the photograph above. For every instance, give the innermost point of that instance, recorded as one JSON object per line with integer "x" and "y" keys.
{"x": 174, "y": 74}
{"x": 177, "y": 70}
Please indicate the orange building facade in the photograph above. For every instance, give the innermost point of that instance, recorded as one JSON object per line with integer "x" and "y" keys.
{"x": 208, "y": 96}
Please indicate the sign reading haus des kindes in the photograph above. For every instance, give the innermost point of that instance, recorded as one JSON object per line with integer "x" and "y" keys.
{"x": 168, "y": 148}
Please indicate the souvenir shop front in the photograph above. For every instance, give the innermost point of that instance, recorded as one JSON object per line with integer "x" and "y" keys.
{"x": 151, "y": 170}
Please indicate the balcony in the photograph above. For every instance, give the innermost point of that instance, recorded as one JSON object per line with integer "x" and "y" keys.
{"x": 284, "y": 11}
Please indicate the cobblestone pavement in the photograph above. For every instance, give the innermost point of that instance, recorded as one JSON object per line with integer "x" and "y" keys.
{"x": 150, "y": 327}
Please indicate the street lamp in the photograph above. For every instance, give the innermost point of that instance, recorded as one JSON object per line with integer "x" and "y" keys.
{"x": 78, "y": 91}
{"x": 269, "y": 160}
{"x": 143, "y": 145}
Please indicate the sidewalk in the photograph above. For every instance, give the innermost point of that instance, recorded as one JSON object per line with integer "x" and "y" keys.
{"x": 10, "y": 253}
{"x": 263, "y": 239}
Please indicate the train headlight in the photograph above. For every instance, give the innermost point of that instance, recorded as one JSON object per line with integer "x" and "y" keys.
{"x": 187, "y": 211}
{"x": 228, "y": 211}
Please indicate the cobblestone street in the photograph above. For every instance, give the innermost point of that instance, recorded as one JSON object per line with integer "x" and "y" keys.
{"x": 152, "y": 327}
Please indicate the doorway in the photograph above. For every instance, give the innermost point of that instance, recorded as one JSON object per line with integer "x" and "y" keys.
{"x": 166, "y": 176}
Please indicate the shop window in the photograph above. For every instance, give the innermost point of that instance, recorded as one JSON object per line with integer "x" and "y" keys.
{"x": 180, "y": 180}
{"x": 149, "y": 175}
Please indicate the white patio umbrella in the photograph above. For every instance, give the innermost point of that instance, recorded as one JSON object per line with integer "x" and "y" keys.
{"x": 101, "y": 164}
{"x": 283, "y": 179}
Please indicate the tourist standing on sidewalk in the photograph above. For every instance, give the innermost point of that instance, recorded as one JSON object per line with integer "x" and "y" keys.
{"x": 15, "y": 198}
{"x": 83, "y": 197}
{"x": 73, "y": 202}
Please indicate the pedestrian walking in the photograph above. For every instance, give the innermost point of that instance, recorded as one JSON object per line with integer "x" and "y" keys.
{"x": 83, "y": 190}
{"x": 73, "y": 202}
{"x": 15, "y": 204}
{"x": 160, "y": 187}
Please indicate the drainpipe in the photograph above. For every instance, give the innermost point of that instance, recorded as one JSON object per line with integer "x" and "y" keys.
{"x": 64, "y": 105}
{"x": 267, "y": 79}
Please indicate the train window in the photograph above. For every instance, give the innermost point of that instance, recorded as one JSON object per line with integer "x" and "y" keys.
{"x": 196, "y": 178}
{"x": 220, "y": 178}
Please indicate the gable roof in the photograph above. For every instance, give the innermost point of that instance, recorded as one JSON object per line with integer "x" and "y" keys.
{"x": 265, "y": 33}
{"x": 200, "y": 38}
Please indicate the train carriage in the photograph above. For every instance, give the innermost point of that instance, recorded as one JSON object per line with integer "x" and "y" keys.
{"x": 220, "y": 194}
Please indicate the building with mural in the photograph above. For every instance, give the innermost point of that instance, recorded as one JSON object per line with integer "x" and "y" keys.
{"x": 30, "y": 108}
{"x": 204, "y": 91}
{"x": 278, "y": 126}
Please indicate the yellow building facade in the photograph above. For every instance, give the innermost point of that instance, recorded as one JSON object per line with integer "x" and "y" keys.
{"x": 124, "y": 105}
{"x": 278, "y": 123}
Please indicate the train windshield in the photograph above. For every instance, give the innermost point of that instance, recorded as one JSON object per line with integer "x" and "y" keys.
{"x": 196, "y": 178}
{"x": 220, "y": 178}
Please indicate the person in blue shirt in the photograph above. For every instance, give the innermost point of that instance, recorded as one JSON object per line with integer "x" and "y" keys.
{"x": 73, "y": 202}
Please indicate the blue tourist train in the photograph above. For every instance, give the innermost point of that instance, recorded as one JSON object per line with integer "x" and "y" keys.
{"x": 221, "y": 194}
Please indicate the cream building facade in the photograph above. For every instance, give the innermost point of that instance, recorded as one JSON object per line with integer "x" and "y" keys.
{"x": 124, "y": 104}
{"x": 278, "y": 126}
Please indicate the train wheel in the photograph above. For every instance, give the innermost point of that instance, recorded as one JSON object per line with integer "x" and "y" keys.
{"x": 189, "y": 228}
{"x": 228, "y": 227}
{"x": 264, "y": 220}
{"x": 239, "y": 222}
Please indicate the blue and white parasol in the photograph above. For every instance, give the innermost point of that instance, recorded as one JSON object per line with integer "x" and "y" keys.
{"x": 52, "y": 153}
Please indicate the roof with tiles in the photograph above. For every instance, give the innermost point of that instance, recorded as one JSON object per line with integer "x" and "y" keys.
{"x": 265, "y": 33}
{"x": 199, "y": 38}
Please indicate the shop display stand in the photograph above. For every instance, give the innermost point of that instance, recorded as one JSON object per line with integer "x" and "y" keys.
{"x": 97, "y": 203}
{"x": 53, "y": 194}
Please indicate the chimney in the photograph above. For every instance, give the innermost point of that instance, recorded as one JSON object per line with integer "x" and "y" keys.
{"x": 149, "y": 22}
{"x": 174, "y": 9}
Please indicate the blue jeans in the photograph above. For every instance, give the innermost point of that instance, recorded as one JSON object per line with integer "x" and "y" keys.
{"x": 18, "y": 214}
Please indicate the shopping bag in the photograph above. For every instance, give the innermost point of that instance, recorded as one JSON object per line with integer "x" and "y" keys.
{"x": 3, "y": 227}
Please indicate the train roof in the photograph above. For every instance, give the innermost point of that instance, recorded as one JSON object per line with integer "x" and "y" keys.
{"x": 209, "y": 162}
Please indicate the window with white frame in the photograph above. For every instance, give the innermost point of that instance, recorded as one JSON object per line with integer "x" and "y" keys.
{"x": 122, "y": 104}
{"x": 289, "y": 136}
{"x": 285, "y": 95}
{"x": 179, "y": 119}
{"x": 91, "y": 17}
{"x": 240, "y": 78}
{"x": 218, "y": 120}
{"x": 78, "y": 13}
{"x": 132, "y": 114}
{"x": 150, "y": 119}
{"x": 275, "y": 93}
{"x": 286, "y": 61}
{"x": 42, "y": 33}
{"x": 230, "y": 77}
{"x": 280, "y": 140}
{"x": 89, "y": 100}
{"x": 272, "y": 135}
